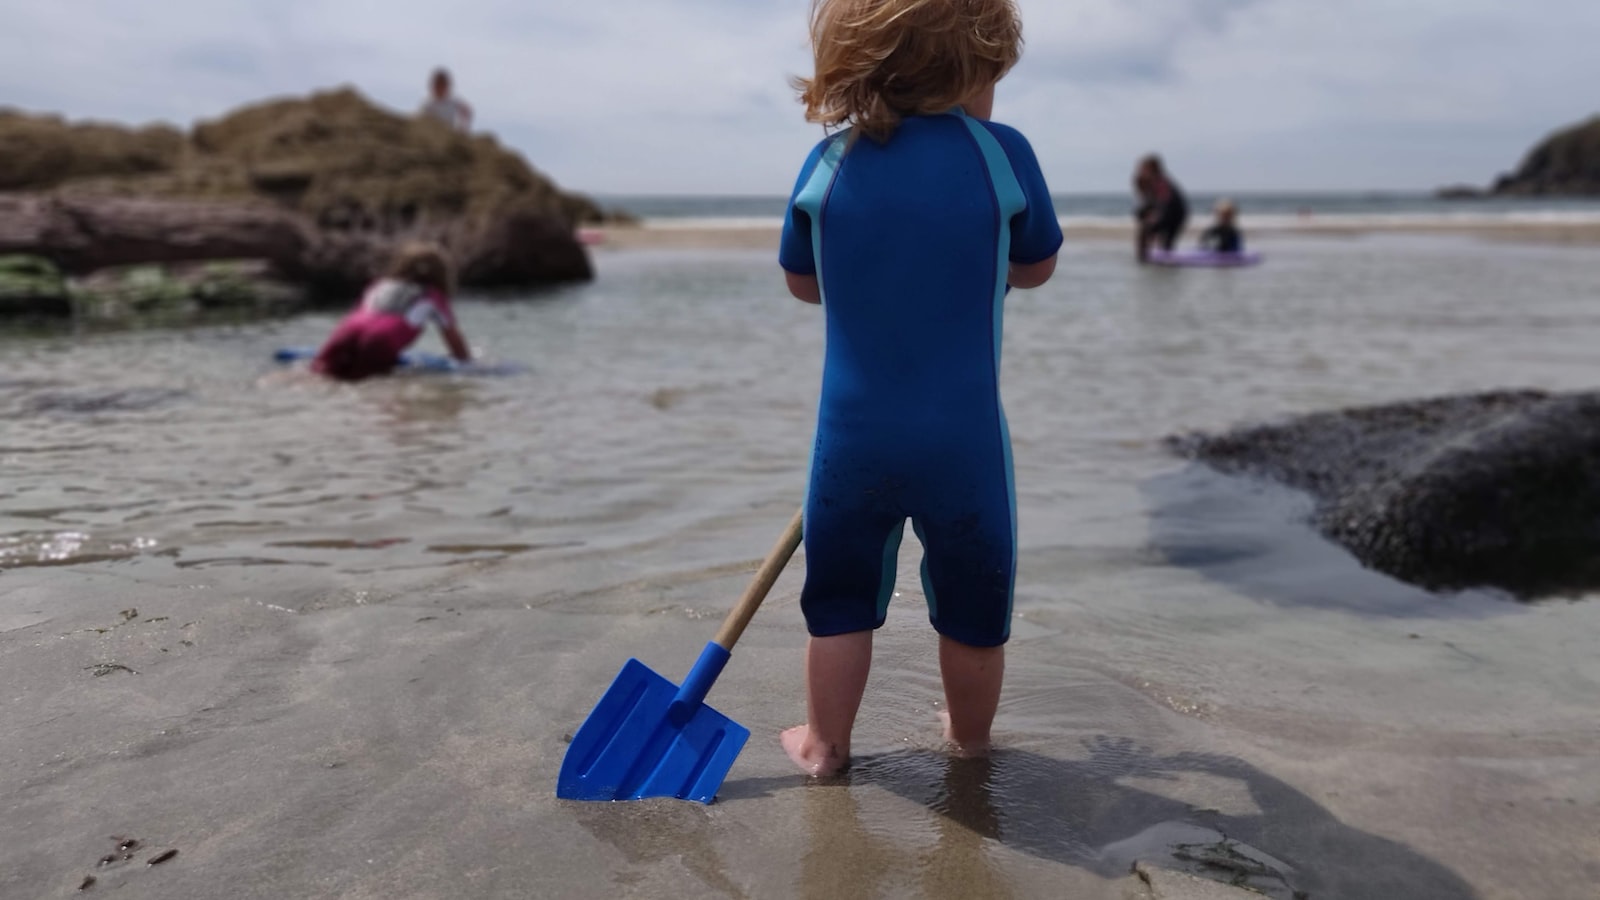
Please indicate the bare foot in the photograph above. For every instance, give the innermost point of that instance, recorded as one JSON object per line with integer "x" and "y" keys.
{"x": 963, "y": 749}
{"x": 813, "y": 757}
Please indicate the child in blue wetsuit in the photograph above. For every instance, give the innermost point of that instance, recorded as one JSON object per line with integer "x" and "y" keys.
{"x": 1223, "y": 236}
{"x": 909, "y": 226}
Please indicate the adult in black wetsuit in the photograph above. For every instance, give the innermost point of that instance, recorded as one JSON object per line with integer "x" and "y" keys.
{"x": 1163, "y": 210}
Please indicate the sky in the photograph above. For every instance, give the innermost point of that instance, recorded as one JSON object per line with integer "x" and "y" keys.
{"x": 692, "y": 96}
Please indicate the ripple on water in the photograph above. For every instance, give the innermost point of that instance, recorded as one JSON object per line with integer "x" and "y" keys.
{"x": 66, "y": 548}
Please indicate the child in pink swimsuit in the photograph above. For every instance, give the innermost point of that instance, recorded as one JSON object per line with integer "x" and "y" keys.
{"x": 393, "y": 313}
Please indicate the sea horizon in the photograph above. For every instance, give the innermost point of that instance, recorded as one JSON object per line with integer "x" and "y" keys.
{"x": 1265, "y": 209}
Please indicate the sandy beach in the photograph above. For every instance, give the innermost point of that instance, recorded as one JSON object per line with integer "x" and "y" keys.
{"x": 366, "y": 413}
{"x": 330, "y": 641}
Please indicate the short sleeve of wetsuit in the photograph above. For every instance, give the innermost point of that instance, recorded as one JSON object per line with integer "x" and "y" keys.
{"x": 444, "y": 316}
{"x": 795, "y": 252}
{"x": 433, "y": 306}
{"x": 1035, "y": 232}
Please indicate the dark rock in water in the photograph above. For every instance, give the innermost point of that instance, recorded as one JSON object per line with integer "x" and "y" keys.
{"x": 519, "y": 247}
{"x": 335, "y": 157}
{"x": 522, "y": 247}
{"x": 85, "y": 234}
{"x": 32, "y": 287}
{"x": 1565, "y": 163}
{"x": 1492, "y": 490}
{"x": 323, "y": 187}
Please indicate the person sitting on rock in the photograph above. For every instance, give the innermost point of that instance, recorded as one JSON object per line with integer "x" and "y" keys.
{"x": 393, "y": 312}
{"x": 1223, "y": 236}
{"x": 443, "y": 106}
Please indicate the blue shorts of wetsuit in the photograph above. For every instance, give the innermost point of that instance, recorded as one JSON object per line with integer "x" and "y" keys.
{"x": 910, "y": 241}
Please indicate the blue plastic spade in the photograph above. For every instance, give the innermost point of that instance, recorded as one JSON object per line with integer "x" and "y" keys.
{"x": 650, "y": 738}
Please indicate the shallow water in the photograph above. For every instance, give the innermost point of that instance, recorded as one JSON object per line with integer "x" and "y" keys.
{"x": 1188, "y": 662}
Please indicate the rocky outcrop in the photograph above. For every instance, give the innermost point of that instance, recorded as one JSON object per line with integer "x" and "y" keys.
{"x": 323, "y": 187}
{"x": 43, "y": 152}
{"x": 1565, "y": 163}
{"x": 519, "y": 247}
{"x": 1491, "y": 490}
{"x": 81, "y": 234}
{"x": 335, "y": 157}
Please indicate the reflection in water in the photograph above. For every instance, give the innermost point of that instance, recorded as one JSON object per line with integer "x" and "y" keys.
{"x": 842, "y": 858}
{"x": 847, "y": 857}
{"x": 960, "y": 867}
{"x": 1255, "y": 537}
{"x": 653, "y": 831}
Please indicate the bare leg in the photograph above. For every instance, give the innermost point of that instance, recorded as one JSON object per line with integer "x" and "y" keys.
{"x": 836, "y": 677}
{"x": 972, "y": 677}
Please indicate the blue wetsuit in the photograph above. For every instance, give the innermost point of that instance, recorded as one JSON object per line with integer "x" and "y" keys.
{"x": 910, "y": 240}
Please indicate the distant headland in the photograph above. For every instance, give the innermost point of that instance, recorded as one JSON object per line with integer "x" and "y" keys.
{"x": 1565, "y": 164}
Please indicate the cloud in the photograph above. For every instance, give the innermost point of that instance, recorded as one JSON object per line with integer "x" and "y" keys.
{"x": 692, "y": 95}
{"x": 1104, "y": 42}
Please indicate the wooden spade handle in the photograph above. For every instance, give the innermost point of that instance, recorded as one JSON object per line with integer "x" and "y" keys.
{"x": 734, "y": 625}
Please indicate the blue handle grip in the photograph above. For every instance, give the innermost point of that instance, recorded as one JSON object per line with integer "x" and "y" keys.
{"x": 698, "y": 683}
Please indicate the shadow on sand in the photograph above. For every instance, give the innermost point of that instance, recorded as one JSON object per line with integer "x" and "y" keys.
{"x": 1083, "y": 813}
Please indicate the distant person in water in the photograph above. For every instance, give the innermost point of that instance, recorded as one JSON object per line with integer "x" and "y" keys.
{"x": 1163, "y": 210}
{"x": 393, "y": 312}
{"x": 445, "y": 106}
{"x": 1223, "y": 236}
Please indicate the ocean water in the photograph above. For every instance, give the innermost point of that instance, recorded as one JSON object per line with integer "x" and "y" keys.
{"x": 1274, "y": 211}
{"x": 424, "y": 582}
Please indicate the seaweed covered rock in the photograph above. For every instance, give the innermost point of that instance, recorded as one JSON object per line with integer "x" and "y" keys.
{"x": 1490, "y": 490}
{"x": 324, "y": 187}
{"x": 252, "y": 287}
{"x": 42, "y": 152}
{"x": 334, "y": 156}
{"x": 32, "y": 287}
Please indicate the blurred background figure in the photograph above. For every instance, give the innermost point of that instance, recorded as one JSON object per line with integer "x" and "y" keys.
{"x": 445, "y": 106}
{"x": 1163, "y": 210}
{"x": 1223, "y": 236}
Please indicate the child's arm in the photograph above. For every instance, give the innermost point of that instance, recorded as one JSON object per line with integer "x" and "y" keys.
{"x": 456, "y": 342}
{"x": 1035, "y": 232}
{"x": 795, "y": 251}
{"x": 1031, "y": 275}
{"x": 804, "y": 287}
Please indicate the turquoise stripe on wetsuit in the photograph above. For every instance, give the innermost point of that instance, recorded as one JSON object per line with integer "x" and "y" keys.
{"x": 910, "y": 241}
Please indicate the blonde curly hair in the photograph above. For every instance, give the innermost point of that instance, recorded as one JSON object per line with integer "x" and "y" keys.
{"x": 878, "y": 61}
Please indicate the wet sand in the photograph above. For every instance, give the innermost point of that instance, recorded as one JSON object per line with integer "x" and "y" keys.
{"x": 406, "y": 747}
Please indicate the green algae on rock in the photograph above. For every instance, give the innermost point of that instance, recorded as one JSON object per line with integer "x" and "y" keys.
{"x": 32, "y": 286}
